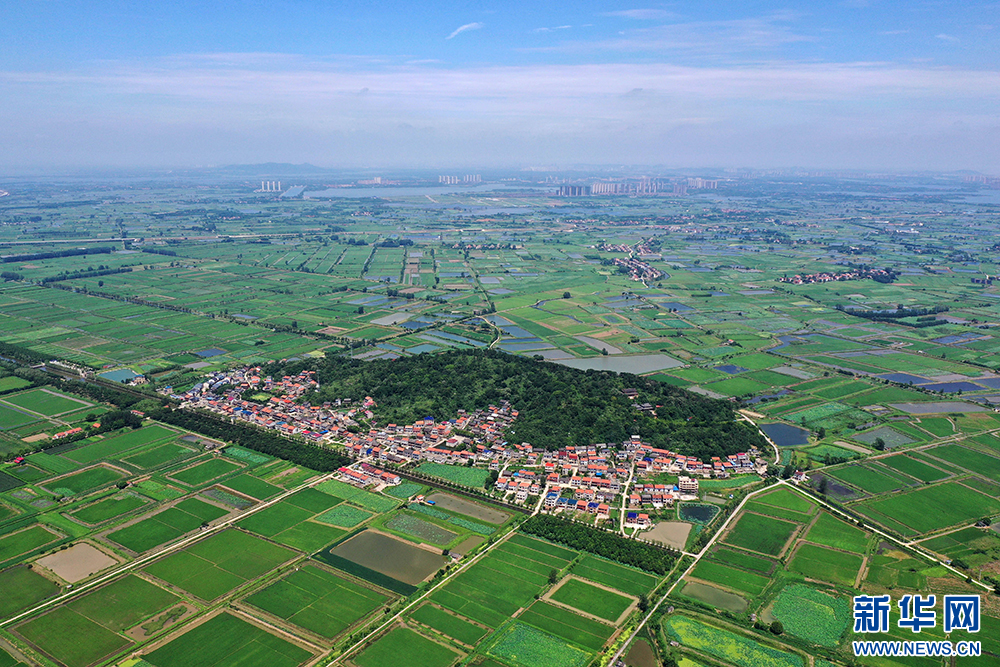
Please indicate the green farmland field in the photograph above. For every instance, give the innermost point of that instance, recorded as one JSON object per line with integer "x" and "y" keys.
{"x": 23, "y": 588}
{"x": 23, "y": 541}
{"x": 158, "y": 456}
{"x": 812, "y": 615}
{"x": 84, "y": 481}
{"x": 832, "y": 532}
{"x": 318, "y": 601}
{"x": 402, "y": 646}
{"x": 584, "y": 632}
{"x": 204, "y": 472}
{"x": 914, "y": 468}
{"x": 934, "y": 507}
{"x": 112, "y": 447}
{"x": 219, "y": 564}
{"x": 449, "y": 624}
{"x": 71, "y": 638}
{"x": 124, "y": 603}
{"x": 524, "y": 646}
{"x": 760, "y": 533}
{"x": 46, "y": 402}
{"x": 825, "y": 564}
{"x": 474, "y": 477}
{"x": 167, "y": 525}
{"x": 733, "y": 648}
{"x": 109, "y": 508}
{"x": 867, "y": 479}
{"x": 626, "y": 579}
{"x": 730, "y": 577}
{"x": 591, "y": 599}
{"x": 973, "y": 461}
{"x": 228, "y": 641}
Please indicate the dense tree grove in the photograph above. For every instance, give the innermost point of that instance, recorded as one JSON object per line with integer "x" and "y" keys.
{"x": 602, "y": 543}
{"x": 69, "y": 252}
{"x": 557, "y": 405}
{"x": 266, "y": 442}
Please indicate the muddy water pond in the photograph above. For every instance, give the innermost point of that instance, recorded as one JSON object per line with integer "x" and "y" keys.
{"x": 394, "y": 558}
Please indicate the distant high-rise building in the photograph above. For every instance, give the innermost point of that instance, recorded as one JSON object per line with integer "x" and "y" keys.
{"x": 448, "y": 180}
{"x": 680, "y": 188}
{"x": 472, "y": 178}
{"x": 609, "y": 188}
{"x": 702, "y": 184}
{"x": 573, "y": 190}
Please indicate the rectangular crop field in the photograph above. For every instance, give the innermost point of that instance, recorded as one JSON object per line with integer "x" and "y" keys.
{"x": 626, "y": 579}
{"x": 158, "y": 456}
{"x": 167, "y": 525}
{"x": 11, "y": 418}
{"x": 591, "y": 599}
{"x": 370, "y": 501}
{"x": 345, "y": 516}
{"x": 584, "y": 632}
{"x": 761, "y": 534}
{"x": 71, "y": 638}
{"x": 826, "y": 564}
{"x": 742, "y": 559}
{"x": 730, "y": 577}
{"x": 84, "y": 481}
{"x": 449, "y": 624}
{"x": 219, "y": 564}
{"x": 228, "y": 641}
{"x": 251, "y": 486}
{"x": 23, "y": 541}
{"x": 318, "y": 601}
{"x": 402, "y": 646}
{"x": 124, "y": 603}
{"x": 46, "y": 402}
{"x": 425, "y": 531}
{"x": 914, "y": 468}
{"x": 204, "y": 472}
{"x": 274, "y": 519}
{"x": 867, "y": 479}
{"x": 973, "y": 461}
{"x": 113, "y": 446}
{"x": 731, "y": 647}
{"x": 934, "y": 507}
{"x": 109, "y": 508}
{"x": 832, "y": 532}
{"x": 312, "y": 500}
{"x": 23, "y": 588}
{"x": 521, "y": 645}
{"x": 474, "y": 477}
{"x": 784, "y": 497}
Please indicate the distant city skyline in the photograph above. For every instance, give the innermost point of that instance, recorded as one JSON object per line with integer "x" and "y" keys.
{"x": 857, "y": 84}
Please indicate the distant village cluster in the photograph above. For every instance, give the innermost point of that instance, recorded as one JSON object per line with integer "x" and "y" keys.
{"x": 880, "y": 275}
{"x": 574, "y": 478}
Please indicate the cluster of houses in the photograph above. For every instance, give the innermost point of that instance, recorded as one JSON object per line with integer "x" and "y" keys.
{"x": 364, "y": 474}
{"x": 638, "y": 269}
{"x": 832, "y": 276}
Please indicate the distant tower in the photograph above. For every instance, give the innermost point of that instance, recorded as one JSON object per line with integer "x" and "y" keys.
{"x": 262, "y": 188}
{"x": 279, "y": 187}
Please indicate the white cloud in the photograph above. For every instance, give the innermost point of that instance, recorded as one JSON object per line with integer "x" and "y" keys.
{"x": 946, "y": 38}
{"x": 642, "y": 14}
{"x": 464, "y": 28}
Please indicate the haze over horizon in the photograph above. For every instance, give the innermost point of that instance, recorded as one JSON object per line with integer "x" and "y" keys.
{"x": 864, "y": 84}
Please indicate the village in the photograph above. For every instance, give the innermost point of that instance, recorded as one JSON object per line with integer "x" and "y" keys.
{"x": 595, "y": 479}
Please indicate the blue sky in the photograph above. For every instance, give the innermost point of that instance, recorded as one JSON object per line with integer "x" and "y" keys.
{"x": 852, "y": 84}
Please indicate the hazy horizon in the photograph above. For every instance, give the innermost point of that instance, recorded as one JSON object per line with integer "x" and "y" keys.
{"x": 861, "y": 84}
